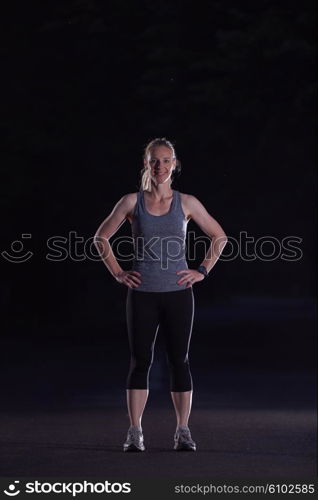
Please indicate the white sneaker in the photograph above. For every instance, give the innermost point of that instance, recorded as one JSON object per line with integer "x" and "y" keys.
{"x": 135, "y": 440}
{"x": 183, "y": 440}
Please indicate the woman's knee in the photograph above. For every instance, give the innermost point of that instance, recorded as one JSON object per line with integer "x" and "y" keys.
{"x": 179, "y": 363}
{"x": 140, "y": 364}
{"x": 138, "y": 376}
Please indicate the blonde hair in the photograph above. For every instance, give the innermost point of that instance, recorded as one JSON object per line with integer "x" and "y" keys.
{"x": 144, "y": 173}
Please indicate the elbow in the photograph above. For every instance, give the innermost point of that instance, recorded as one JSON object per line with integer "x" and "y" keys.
{"x": 220, "y": 237}
{"x": 221, "y": 240}
{"x": 96, "y": 238}
{"x": 99, "y": 238}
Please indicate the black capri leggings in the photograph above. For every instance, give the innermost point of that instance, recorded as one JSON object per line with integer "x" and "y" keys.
{"x": 173, "y": 312}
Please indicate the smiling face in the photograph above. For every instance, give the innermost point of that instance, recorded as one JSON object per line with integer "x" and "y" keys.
{"x": 161, "y": 163}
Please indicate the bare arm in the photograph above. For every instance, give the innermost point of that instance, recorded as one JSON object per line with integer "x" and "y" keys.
{"x": 107, "y": 229}
{"x": 210, "y": 227}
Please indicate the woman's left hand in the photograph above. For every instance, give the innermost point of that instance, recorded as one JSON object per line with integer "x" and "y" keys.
{"x": 190, "y": 276}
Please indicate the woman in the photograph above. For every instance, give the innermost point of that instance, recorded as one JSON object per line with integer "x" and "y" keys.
{"x": 159, "y": 283}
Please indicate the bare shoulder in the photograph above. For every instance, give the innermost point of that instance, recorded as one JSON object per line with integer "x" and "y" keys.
{"x": 129, "y": 200}
{"x": 188, "y": 202}
{"x": 196, "y": 211}
{"x": 125, "y": 205}
{"x": 187, "y": 197}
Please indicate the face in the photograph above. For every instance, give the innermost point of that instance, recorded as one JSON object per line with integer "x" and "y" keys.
{"x": 161, "y": 164}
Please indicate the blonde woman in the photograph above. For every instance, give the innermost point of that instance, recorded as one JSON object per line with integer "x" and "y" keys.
{"x": 159, "y": 283}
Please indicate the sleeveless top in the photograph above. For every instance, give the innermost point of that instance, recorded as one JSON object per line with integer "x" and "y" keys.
{"x": 159, "y": 246}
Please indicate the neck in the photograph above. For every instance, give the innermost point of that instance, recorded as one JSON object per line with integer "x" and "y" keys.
{"x": 161, "y": 191}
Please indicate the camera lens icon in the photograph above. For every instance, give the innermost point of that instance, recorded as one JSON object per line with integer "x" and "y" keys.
{"x": 12, "y": 490}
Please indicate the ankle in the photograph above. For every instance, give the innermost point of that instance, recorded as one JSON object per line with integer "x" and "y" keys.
{"x": 136, "y": 427}
{"x": 182, "y": 426}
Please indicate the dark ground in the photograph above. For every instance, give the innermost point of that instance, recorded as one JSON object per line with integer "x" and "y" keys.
{"x": 236, "y": 435}
{"x": 253, "y": 414}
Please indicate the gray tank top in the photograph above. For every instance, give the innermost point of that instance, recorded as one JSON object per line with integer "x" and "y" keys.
{"x": 159, "y": 246}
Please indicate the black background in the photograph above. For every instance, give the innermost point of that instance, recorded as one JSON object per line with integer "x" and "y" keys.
{"x": 86, "y": 84}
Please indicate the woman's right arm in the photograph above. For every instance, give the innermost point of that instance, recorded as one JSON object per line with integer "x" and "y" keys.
{"x": 106, "y": 230}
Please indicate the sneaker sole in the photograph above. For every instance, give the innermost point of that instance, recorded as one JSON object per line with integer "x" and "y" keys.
{"x": 184, "y": 447}
{"x": 133, "y": 447}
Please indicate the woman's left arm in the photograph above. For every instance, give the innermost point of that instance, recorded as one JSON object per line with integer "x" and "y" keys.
{"x": 211, "y": 228}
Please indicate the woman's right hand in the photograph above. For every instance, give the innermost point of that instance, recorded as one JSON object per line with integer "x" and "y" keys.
{"x": 129, "y": 278}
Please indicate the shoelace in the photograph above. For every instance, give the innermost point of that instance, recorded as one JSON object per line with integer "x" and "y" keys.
{"x": 135, "y": 433}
